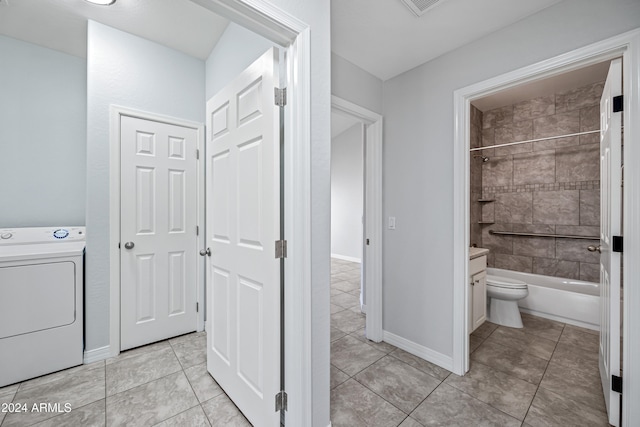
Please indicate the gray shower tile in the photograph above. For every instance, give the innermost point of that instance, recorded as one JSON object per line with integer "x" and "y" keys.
{"x": 488, "y": 139}
{"x": 497, "y": 117}
{"x": 140, "y": 369}
{"x": 556, "y": 267}
{"x": 488, "y": 212}
{"x": 351, "y": 355}
{"x": 447, "y": 406}
{"x": 496, "y": 243}
{"x": 514, "y": 208}
{"x": 533, "y": 108}
{"x": 513, "y": 362}
{"x": 347, "y": 321}
{"x": 556, "y": 207}
{"x": 504, "y": 392}
{"x": 398, "y": 383}
{"x": 191, "y": 351}
{"x": 421, "y": 364}
{"x": 589, "y": 272}
{"x": 151, "y": 403}
{"x": 497, "y": 171}
{"x": 91, "y": 415}
{"x": 541, "y": 327}
{"x": 535, "y": 228}
{"x": 222, "y": 412}
{"x": 576, "y": 250}
{"x": 590, "y": 208}
{"x": 519, "y": 340}
{"x": 78, "y": 387}
{"x": 538, "y": 167}
{"x": 337, "y": 377}
{"x": 475, "y": 136}
{"x": 194, "y": 417}
{"x": 534, "y": 247}
{"x": 514, "y": 262}
{"x": 581, "y": 163}
{"x": 579, "y": 230}
{"x": 354, "y": 405}
{"x": 202, "y": 382}
{"x": 575, "y": 385}
{"x": 580, "y": 338}
{"x": 513, "y": 132}
{"x": 556, "y": 125}
{"x": 590, "y": 118}
{"x": 581, "y": 97}
{"x": 555, "y": 409}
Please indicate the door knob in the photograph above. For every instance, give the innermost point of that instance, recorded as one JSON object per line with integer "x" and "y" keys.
{"x": 129, "y": 245}
{"x": 204, "y": 252}
{"x": 593, "y": 248}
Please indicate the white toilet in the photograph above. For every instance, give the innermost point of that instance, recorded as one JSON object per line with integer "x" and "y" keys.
{"x": 503, "y": 295}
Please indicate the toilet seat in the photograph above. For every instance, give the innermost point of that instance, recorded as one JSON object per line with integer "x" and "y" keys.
{"x": 504, "y": 282}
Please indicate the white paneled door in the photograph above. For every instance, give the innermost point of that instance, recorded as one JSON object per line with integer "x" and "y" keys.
{"x": 158, "y": 231}
{"x": 610, "y": 226}
{"x": 242, "y": 225}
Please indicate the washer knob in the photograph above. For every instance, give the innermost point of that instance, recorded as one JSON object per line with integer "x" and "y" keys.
{"x": 6, "y": 236}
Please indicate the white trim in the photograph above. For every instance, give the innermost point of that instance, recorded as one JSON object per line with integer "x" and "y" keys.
{"x": 372, "y": 254}
{"x": 423, "y": 352}
{"x": 626, "y": 45}
{"x": 96, "y": 355}
{"x": 115, "y": 115}
{"x": 346, "y": 258}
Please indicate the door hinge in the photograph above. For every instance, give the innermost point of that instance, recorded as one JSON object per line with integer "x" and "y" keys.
{"x": 367, "y": 242}
{"x": 197, "y": 307}
{"x": 197, "y": 230}
{"x": 197, "y": 154}
{"x": 281, "y": 248}
{"x": 281, "y": 401}
{"x": 617, "y": 244}
{"x": 616, "y": 383}
{"x": 280, "y": 98}
{"x": 618, "y": 103}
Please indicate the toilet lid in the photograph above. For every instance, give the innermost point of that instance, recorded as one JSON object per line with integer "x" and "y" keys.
{"x": 504, "y": 282}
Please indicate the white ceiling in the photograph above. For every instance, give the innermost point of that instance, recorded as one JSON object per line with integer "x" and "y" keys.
{"x": 385, "y": 38}
{"x": 62, "y": 24}
{"x": 340, "y": 123}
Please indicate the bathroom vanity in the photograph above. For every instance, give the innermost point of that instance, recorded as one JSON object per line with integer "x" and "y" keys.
{"x": 478, "y": 287}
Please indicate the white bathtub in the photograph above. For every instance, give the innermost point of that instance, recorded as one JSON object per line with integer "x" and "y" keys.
{"x": 569, "y": 301}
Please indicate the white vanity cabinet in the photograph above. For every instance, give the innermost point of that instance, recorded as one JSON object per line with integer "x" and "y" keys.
{"x": 478, "y": 288}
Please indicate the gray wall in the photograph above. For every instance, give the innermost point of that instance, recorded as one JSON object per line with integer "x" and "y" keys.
{"x": 128, "y": 71}
{"x": 548, "y": 187}
{"x": 42, "y": 136}
{"x": 418, "y": 155}
{"x": 350, "y": 82}
{"x": 347, "y": 193}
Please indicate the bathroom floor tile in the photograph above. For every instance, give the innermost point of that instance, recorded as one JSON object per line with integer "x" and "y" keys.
{"x": 580, "y": 338}
{"x": 398, "y": 383}
{"x": 504, "y": 392}
{"x": 543, "y": 328}
{"x": 516, "y": 338}
{"x": 337, "y": 377}
{"x": 511, "y": 361}
{"x": 354, "y": 405}
{"x": 575, "y": 358}
{"x": 222, "y": 412}
{"x": 485, "y": 330}
{"x": 352, "y": 356}
{"x": 447, "y": 406}
{"x": 555, "y": 409}
{"x": 575, "y": 385}
{"x": 474, "y": 342}
{"x": 421, "y": 364}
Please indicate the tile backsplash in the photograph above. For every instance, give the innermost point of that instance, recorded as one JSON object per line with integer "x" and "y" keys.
{"x": 550, "y": 187}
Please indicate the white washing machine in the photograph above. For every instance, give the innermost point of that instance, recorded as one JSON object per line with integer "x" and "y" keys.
{"x": 41, "y": 301}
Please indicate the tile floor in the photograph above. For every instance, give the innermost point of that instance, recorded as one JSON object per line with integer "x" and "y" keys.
{"x": 545, "y": 374}
{"x": 163, "y": 384}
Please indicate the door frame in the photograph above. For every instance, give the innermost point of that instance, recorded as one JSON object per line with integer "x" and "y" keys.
{"x": 372, "y": 255}
{"x": 115, "y": 116}
{"x": 627, "y": 46}
{"x": 294, "y": 35}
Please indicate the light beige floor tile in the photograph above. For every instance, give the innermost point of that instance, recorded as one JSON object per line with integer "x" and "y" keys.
{"x": 348, "y": 285}
{"x": 91, "y": 415}
{"x": 504, "y": 392}
{"x": 336, "y": 334}
{"x": 398, "y": 383}
{"x": 353, "y": 405}
{"x": 151, "y": 403}
{"x": 345, "y": 300}
{"x": 134, "y": 352}
{"x": 221, "y": 412}
{"x": 421, "y": 364}
{"x": 351, "y": 356}
{"x": 193, "y": 417}
{"x": 447, "y": 406}
{"x": 347, "y": 321}
{"x": 202, "y": 382}
{"x": 191, "y": 351}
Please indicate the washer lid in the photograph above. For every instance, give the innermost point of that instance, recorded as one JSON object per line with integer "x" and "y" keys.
{"x": 505, "y": 282}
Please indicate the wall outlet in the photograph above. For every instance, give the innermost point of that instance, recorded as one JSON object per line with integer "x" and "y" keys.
{"x": 392, "y": 223}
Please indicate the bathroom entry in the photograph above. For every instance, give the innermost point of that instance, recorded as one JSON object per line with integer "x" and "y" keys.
{"x": 549, "y": 176}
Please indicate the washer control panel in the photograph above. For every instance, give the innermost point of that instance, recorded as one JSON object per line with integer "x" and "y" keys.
{"x": 31, "y": 235}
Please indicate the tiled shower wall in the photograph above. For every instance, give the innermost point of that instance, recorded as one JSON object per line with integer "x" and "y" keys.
{"x": 476, "y": 177}
{"x": 549, "y": 187}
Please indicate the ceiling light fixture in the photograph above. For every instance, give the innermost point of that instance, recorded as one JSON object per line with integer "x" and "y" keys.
{"x": 102, "y": 2}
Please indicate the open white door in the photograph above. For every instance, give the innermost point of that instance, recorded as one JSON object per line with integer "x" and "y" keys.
{"x": 242, "y": 226}
{"x": 158, "y": 214}
{"x": 610, "y": 226}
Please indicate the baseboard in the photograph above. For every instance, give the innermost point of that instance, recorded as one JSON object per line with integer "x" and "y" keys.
{"x": 427, "y": 354}
{"x": 97, "y": 354}
{"x": 346, "y": 258}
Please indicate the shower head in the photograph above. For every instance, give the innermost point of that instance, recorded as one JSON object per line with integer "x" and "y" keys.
{"x": 484, "y": 158}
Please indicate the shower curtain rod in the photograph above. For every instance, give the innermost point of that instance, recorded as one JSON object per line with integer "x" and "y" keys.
{"x": 533, "y": 140}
